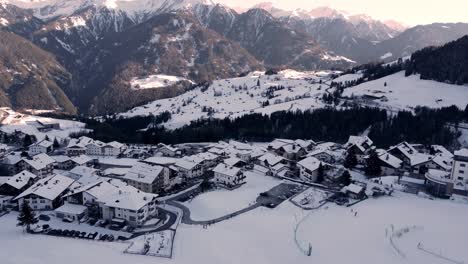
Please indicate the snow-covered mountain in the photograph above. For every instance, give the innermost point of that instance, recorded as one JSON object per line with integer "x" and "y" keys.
{"x": 136, "y": 9}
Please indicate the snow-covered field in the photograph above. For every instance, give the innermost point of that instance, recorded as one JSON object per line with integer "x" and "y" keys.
{"x": 214, "y": 204}
{"x": 239, "y": 96}
{"x": 407, "y": 92}
{"x": 12, "y": 121}
{"x": 155, "y": 81}
{"x": 265, "y": 236}
{"x": 160, "y": 244}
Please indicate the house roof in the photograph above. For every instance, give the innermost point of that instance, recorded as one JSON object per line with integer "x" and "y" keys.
{"x": 44, "y": 143}
{"x": 389, "y": 159}
{"x": 185, "y": 164}
{"x": 164, "y": 161}
{"x": 278, "y": 143}
{"x": 411, "y": 153}
{"x": 73, "y": 209}
{"x": 272, "y": 159}
{"x": 49, "y": 188}
{"x": 83, "y": 170}
{"x": 353, "y": 188}
{"x": 134, "y": 200}
{"x": 39, "y": 161}
{"x": 359, "y": 142}
{"x": 20, "y": 180}
{"x": 232, "y": 161}
{"x": 144, "y": 172}
{"x": 82, "y": 159}
{"x": 61, "y": 158}
{"x": 310, "y": 163}
{"x": 226, "y": 170}
{"x": 462, "y": 153}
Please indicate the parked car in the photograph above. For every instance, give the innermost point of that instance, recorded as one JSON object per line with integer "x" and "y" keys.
{"x": 44, "y": 217}
{"x": 67, "y": 219}
{"x": 102, "y": 223}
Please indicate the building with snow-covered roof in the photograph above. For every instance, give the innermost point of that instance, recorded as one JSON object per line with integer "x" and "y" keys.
{"x": 414, "y": 162}
{"x": 43, "y": 146}
{"x": 228, "y": 176}
{"x": 46, "y": 193}
{"x": 70, "y": 211}
{"x": 389, "y": 164}
{"x": 63, "y": 162}
{"x": 269, "y": 160}
{"x": 109, "y": 199}
{"x": 188, "y": 169}
{"x": 42, "y": 165}
{"x": 234, "y": 162}
{"x": 360, "y": 145}
{"x": 77, "y": 146}
{"x": 439, "y": 183}
{"x": 17, "y": 183}
{"x": 168, "y": 151}
{"x": 354, "y": 191}
{"x": 84, "y": 160}
{"x": 309, "y": 169}
{"x": 148, "y": 177}
{"x": 459, "y": 173}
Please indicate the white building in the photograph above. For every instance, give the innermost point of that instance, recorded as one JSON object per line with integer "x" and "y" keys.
{"x": 46, "y": 193}
{"x": 308, "y": 168}
{"x": 459, "y": 172}
{"x": 116, "y": 199}
{"x": 188, "y": 169}
{"x": 148, "y": 177}
{"x": 228, "y": 176}
{"x": 43, "y": 146}
{"x": 42, "y": 165}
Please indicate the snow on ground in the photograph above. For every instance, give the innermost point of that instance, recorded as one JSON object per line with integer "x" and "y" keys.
{"x": 12, "y": 121}
{"x": 214, "y": 204}
{"x": 155, "y": 81}
{"x": 386, "y": 56}
{"x": 265, "y": 236}
{"x": 160, "y": 244}
{"x": 407, "y": 92}
{"x": 239, "y": 96}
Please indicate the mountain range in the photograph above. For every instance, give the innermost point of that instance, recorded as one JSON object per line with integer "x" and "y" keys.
{"x": 94, "y": 48}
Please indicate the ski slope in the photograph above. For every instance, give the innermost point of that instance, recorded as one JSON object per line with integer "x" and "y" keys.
{"x": 239, "y": 96}
{"x": 408, "y": 92}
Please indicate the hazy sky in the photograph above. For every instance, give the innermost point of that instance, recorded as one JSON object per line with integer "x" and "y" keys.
{"x": 410, "y": 12}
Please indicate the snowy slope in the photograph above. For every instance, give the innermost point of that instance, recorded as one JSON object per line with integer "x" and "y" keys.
{"x": 407, "y": 92}
{"x": 239, "y": 96}
{"x": 265, "y": 236}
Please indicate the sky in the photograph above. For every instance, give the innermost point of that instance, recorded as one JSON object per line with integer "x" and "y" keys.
{"x": 409, "y": 12}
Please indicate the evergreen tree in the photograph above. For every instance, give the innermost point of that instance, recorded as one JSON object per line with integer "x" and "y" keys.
{"x": 27, "y": 141}
{"x": 258, "y": 82}
{"x": 350, "y": 160}
{"x": 56, "y": 144}
{"x": 26, "y": 217}
{"x": 47, "y": 138}
{"x": 346, "y": 178}
{"x": 466, "y": 113}
{"x": 372, "y": 168}
{"x": 320, "y": 173}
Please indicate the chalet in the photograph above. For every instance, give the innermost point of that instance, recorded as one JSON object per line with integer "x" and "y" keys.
{"x": 228, "y": 176}
{"x": 235, "y": 162}
{"x": 168, "y": 151}
{"x": 291, "y": 151}
{"x": 309, "y": 169}
{"x": 43, "y": 146}
{"x": 147, "y": 177}
{"x": 11, "y": 161}
{"x": 360, "y": 145}
{"x": 327, "y": 152}
{"x": 269, "y": 160}
{"x": 46, "y": 193}
{"x": 94, "y": 148}
{"x": 63, "y": 162}
{"x": 414, "y": 162}
{"x": 206, "y": 160}
{"x": 113, "y": 149}
{"x": 77, "y": 146}
{"x": 188, "y": 169}
{"x": 84, "y": 160}
{"x": 83, "y": 175}
{"x": 389, "y": 164}
{"x": 42, "y": 165}
{"x": 17, "y": 183}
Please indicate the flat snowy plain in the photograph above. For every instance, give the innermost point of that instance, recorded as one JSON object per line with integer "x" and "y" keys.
{"x": 266, "y": 236}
